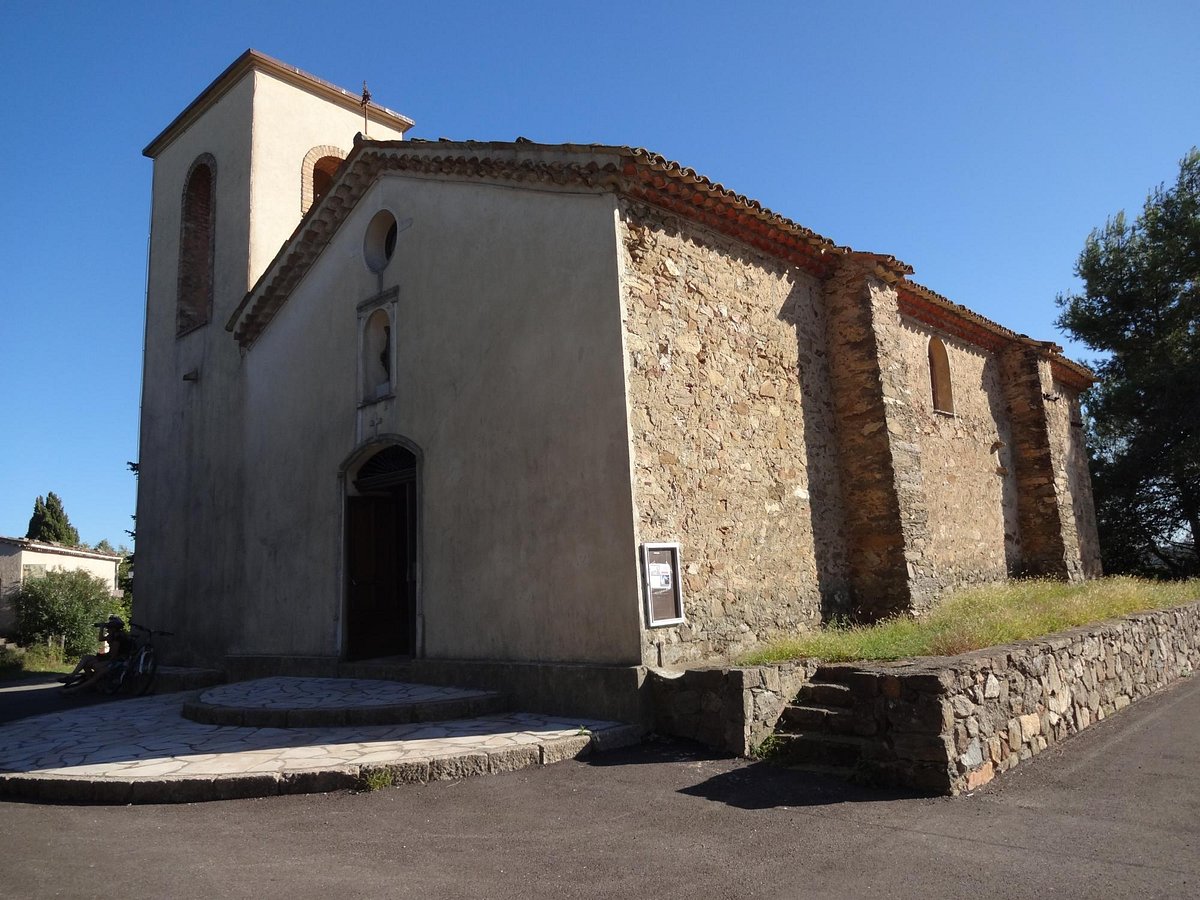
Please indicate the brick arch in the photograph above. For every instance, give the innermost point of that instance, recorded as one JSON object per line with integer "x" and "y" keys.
{"x": 197, "y": 242}
{"x": 318, "y": 166}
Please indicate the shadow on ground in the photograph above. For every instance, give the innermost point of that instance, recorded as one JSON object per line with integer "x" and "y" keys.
{"x": 756, "y": 785}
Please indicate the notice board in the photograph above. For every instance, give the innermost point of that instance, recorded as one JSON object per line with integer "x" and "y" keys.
{"x": 662, "y": 585}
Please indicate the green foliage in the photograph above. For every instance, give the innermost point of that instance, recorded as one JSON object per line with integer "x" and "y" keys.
{"x": 1141, "y": 305}
{"x": 376, "y": 779}
{"x": 49, "y": 522}
{"x": 64, "y": 604}
{"x": 38, "y": 659}
{"x": 770, "y": 748}
{"x": 984, "y": 617}
{"x": 125, "y": 576}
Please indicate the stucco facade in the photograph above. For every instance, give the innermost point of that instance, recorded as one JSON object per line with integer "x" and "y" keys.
{"x": 472, "y": 381}
{"x": 21, "y": 558}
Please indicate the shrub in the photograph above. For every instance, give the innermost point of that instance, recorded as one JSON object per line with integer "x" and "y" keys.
{"x": 64, "y": 604}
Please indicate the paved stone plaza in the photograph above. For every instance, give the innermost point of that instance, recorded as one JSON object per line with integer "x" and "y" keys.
{"x": 143, "y": 750}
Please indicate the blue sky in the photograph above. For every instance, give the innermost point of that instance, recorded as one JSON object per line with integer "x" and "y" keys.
{"x": 979, "y": 145}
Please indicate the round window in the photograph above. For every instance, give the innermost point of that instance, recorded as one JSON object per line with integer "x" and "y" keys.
{"x": 379, "y": 243}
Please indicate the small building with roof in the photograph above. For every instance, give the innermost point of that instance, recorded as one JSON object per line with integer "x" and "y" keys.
{"x": 544, "y": 407}
{"x": 22, "y": 558}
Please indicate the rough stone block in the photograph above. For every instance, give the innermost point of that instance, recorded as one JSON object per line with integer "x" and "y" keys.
{"x": 981, "y": 776}
{"x": 240, "y": 787}
{"x": 320, "y": 781}
{"x": 615, "y": 738}
{"x": 466, "y": 765}
{"x": 170, "y": 790}
{"x": 510, "y": 759}
{"x": 558, "y": 749}
{"x": 1031, "y": 725}
{"x": 932, "y": 748}
{"x": 413, "y": 771}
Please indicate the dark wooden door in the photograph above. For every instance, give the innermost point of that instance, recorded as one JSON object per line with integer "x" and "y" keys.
{"x": 381, "y": 571}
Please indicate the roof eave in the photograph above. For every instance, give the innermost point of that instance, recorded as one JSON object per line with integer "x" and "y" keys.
{"x": 254, "y": 60}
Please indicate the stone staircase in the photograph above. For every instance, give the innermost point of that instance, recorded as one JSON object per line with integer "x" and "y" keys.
{"x": 820, "y": 730}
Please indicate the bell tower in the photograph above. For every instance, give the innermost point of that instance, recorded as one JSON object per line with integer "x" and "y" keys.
{"x": 234, "y": 173}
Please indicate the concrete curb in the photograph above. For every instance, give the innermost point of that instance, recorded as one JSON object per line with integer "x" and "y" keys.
{"x": 108, "y": 790}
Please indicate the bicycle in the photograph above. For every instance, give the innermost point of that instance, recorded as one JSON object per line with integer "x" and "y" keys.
{"x": 135, "y": 673}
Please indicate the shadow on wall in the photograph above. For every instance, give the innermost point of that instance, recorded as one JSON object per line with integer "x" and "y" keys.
{"x": 803, "y": 311}
{"x": 1005, "y": 459}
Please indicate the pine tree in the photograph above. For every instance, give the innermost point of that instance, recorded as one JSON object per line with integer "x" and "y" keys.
{"x": 49, "y": 522}
{"x": 1141, "y": 306}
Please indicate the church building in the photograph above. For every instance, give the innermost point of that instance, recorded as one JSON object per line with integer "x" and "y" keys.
{"x": 567, "y": 406}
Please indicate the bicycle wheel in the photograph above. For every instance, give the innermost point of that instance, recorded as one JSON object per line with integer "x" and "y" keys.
{"x": 144, "y": 666}
{"x": 113, "y": 679}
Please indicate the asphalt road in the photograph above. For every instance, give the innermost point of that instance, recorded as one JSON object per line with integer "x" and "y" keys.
{"x": 38, "y": 694}
{"x": 1113, "y": 813}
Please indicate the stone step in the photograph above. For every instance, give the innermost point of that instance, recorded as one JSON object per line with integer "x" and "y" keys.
{"x": 823, "y": 719}
{"x": 823, "y": 693}
{"x": 383, "y": 670}
{"x": 288, "y": 702}
{"x": 808, "y": 748}
{"x": 171, "y": 679}
{"x": 141, "y": 751}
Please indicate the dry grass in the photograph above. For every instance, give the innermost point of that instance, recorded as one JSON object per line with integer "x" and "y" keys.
{"x": 32, "y": 661}
{"x": 984, "y": 617}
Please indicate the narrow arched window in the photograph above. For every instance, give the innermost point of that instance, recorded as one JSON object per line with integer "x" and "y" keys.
{"x": 316, "y": 174}
{"x": 377, "y": 356}
{"x": 197, "y": 233}
{"x": 939, "y": 376}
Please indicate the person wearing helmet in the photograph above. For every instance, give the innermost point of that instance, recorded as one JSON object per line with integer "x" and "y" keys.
{"x": 120, "y": 646}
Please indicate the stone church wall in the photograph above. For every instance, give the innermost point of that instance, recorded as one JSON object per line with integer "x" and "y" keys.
{"x": 732, "y": 433}
{"x": 970, "y": 500}
{"x": 1073, "y": 483}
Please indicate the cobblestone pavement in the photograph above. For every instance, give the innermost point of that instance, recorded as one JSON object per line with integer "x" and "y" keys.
{"x": 147, "y": 741}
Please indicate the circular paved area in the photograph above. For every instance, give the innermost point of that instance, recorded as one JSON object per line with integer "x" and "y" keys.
{"x": 143, "y": 750}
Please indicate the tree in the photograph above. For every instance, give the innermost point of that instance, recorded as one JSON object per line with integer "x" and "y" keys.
{"x": 1141, "y": 305}
{"x": 64, "y": 604}
{"x": 49, "y": 522}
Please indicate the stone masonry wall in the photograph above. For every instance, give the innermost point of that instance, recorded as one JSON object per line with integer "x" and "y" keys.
{"x": 951, "y": 724}
{"x": 732, "y": 435}
{"x": 969, "y": 496}
{"x": 730, "y": 709}
{"x": 1073, "y": 483}
{"x": 1027, "y": 384}
{"x": 880, "y": 461}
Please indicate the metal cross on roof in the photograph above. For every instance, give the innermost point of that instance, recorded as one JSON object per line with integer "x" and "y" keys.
{"x": 366, "y": 99}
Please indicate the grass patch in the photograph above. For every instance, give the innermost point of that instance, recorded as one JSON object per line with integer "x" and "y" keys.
{"x": 36, "y": 660}
{"x": 375, "y": 779}
{"x": 983, "y": 617}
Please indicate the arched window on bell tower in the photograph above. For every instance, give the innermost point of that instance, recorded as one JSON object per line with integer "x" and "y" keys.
{"x": 197, "y": 238}
{"x": 316, "y": 174}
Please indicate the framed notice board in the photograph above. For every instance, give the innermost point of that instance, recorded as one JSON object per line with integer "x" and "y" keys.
{"x": 660, "y": 578}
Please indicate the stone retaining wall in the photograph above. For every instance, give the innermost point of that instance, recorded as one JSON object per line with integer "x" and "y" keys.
{"x": 950, "y": 724}
{"x": 732, "y": 709}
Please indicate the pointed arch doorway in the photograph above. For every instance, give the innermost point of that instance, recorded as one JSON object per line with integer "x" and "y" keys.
{"x": 381, "y": 556}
